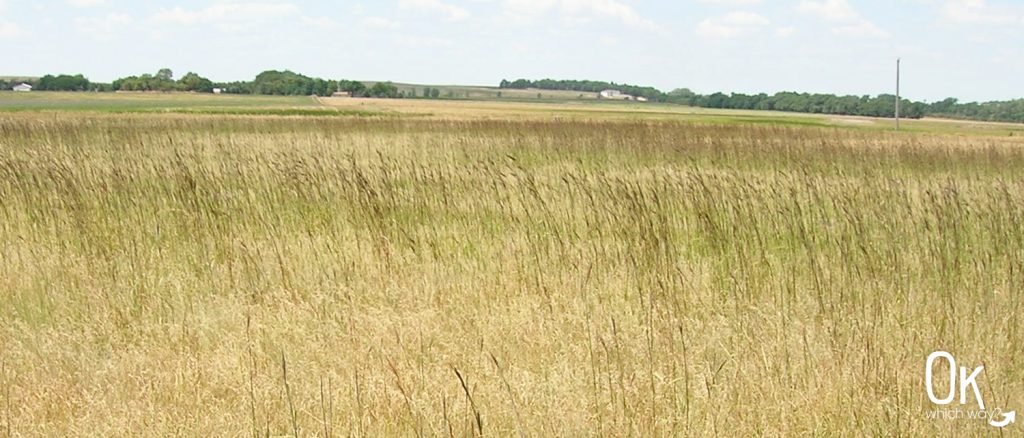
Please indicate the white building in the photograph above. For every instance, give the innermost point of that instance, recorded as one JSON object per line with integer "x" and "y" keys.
{"x": 218, "y": 90}
{"x": 22, "y": 87}
{"x": 615, "y": 94}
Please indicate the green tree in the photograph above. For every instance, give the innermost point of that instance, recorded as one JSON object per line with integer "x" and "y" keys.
{"x": 165, "y": 74}
{"x": 193, "y": 82}
{"x": 62, "y": 83}
{"x": 354, "y": 88}
{"x": 384, "y": 89}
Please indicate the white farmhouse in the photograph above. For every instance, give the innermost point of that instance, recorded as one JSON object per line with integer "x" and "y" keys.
{"x": 22, "y": 87}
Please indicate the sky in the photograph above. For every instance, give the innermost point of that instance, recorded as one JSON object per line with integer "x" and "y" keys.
{"x": 969, "y": 49}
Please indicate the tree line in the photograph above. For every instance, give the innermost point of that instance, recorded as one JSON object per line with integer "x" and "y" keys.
{"x": 289, "y": 83}
{"x": 270, "y": 82}
{"x": 286, "y": 82}
{"x": 650, "y": 93}
{"x": 55, "y": 83}
{"x": 163, "y": 80}
{"x": 882, "y": 105}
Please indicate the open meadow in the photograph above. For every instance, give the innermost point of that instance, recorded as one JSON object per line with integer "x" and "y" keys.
{"x": 357, "y": 267}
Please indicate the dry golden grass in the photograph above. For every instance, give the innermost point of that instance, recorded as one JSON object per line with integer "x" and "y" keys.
{"x": 619, "y": 110}
{"x": 227, "y": 276}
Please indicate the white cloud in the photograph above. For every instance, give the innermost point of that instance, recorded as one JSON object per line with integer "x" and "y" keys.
{"x": 9, "y": 30}
{"x": 454, "y": 13}
{"x": 731, "y": 2}
{"x": 980, "y": 12}
{"x": 745, "y": 19}
{"x": 424, "y": 42}
{"x": 846, "y": 20}
{"x": 731, "y": 25}
{"x": 578, "y": 11}
{"x": 379, "y": 23}
{"x": 861, "y": 29}
{"x": 784, "y": 32}
{"x": 103, "y": 28}
{"x": 319, "y": 22}
{"x": 832, "y": 10}
{"x": 227, "y": 16}
{"x": 86, "y": 3}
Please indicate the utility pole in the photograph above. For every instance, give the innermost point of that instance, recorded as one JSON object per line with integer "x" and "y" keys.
{"x": 897, "y": 94}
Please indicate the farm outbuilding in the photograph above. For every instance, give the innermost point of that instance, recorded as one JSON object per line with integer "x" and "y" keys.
{"x": 22, "y": 87}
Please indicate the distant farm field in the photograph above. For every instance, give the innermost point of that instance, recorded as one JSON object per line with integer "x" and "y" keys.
{"x": 120, "y": 102}
{"x": 495, "y": 93}
{"x": 379, "y": 268}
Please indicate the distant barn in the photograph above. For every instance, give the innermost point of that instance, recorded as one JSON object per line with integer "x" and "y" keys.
{"x": 22, "y": 87}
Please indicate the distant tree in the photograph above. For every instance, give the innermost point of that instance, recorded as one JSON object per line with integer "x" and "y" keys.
{"x": 384, "y": 89}
{"x": 945, "y": 106}
{"x": 146, "y": 82}
{"x": 681, "y": 92}
{"x": 193, "y": 82}
{"x": 165, "y": 74}
{"x": 354, "y": 88}
{"x": 288, "y": 83}
{"x": 435, "y": 93}
{"x": 62, "y": 83}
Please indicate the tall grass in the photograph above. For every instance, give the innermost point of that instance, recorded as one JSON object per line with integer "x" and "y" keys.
{"x": 226, "y": 275}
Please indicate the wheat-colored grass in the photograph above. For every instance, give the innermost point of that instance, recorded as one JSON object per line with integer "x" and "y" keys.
{"x": 230, "y": 276}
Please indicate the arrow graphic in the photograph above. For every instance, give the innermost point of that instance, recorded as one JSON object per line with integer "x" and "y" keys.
{"x": 1008, "y": 417}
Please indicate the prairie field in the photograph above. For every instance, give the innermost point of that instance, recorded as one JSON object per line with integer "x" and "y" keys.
{"x": 561, "y": 273}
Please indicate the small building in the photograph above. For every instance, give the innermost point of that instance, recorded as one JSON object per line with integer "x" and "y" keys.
{"x": 218, "y": 90}
{"x": 22, "y": 87}
{"x": 641, "y": 99}
{"x": 615, "y": 95}
{"x": 341, "y": 94}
